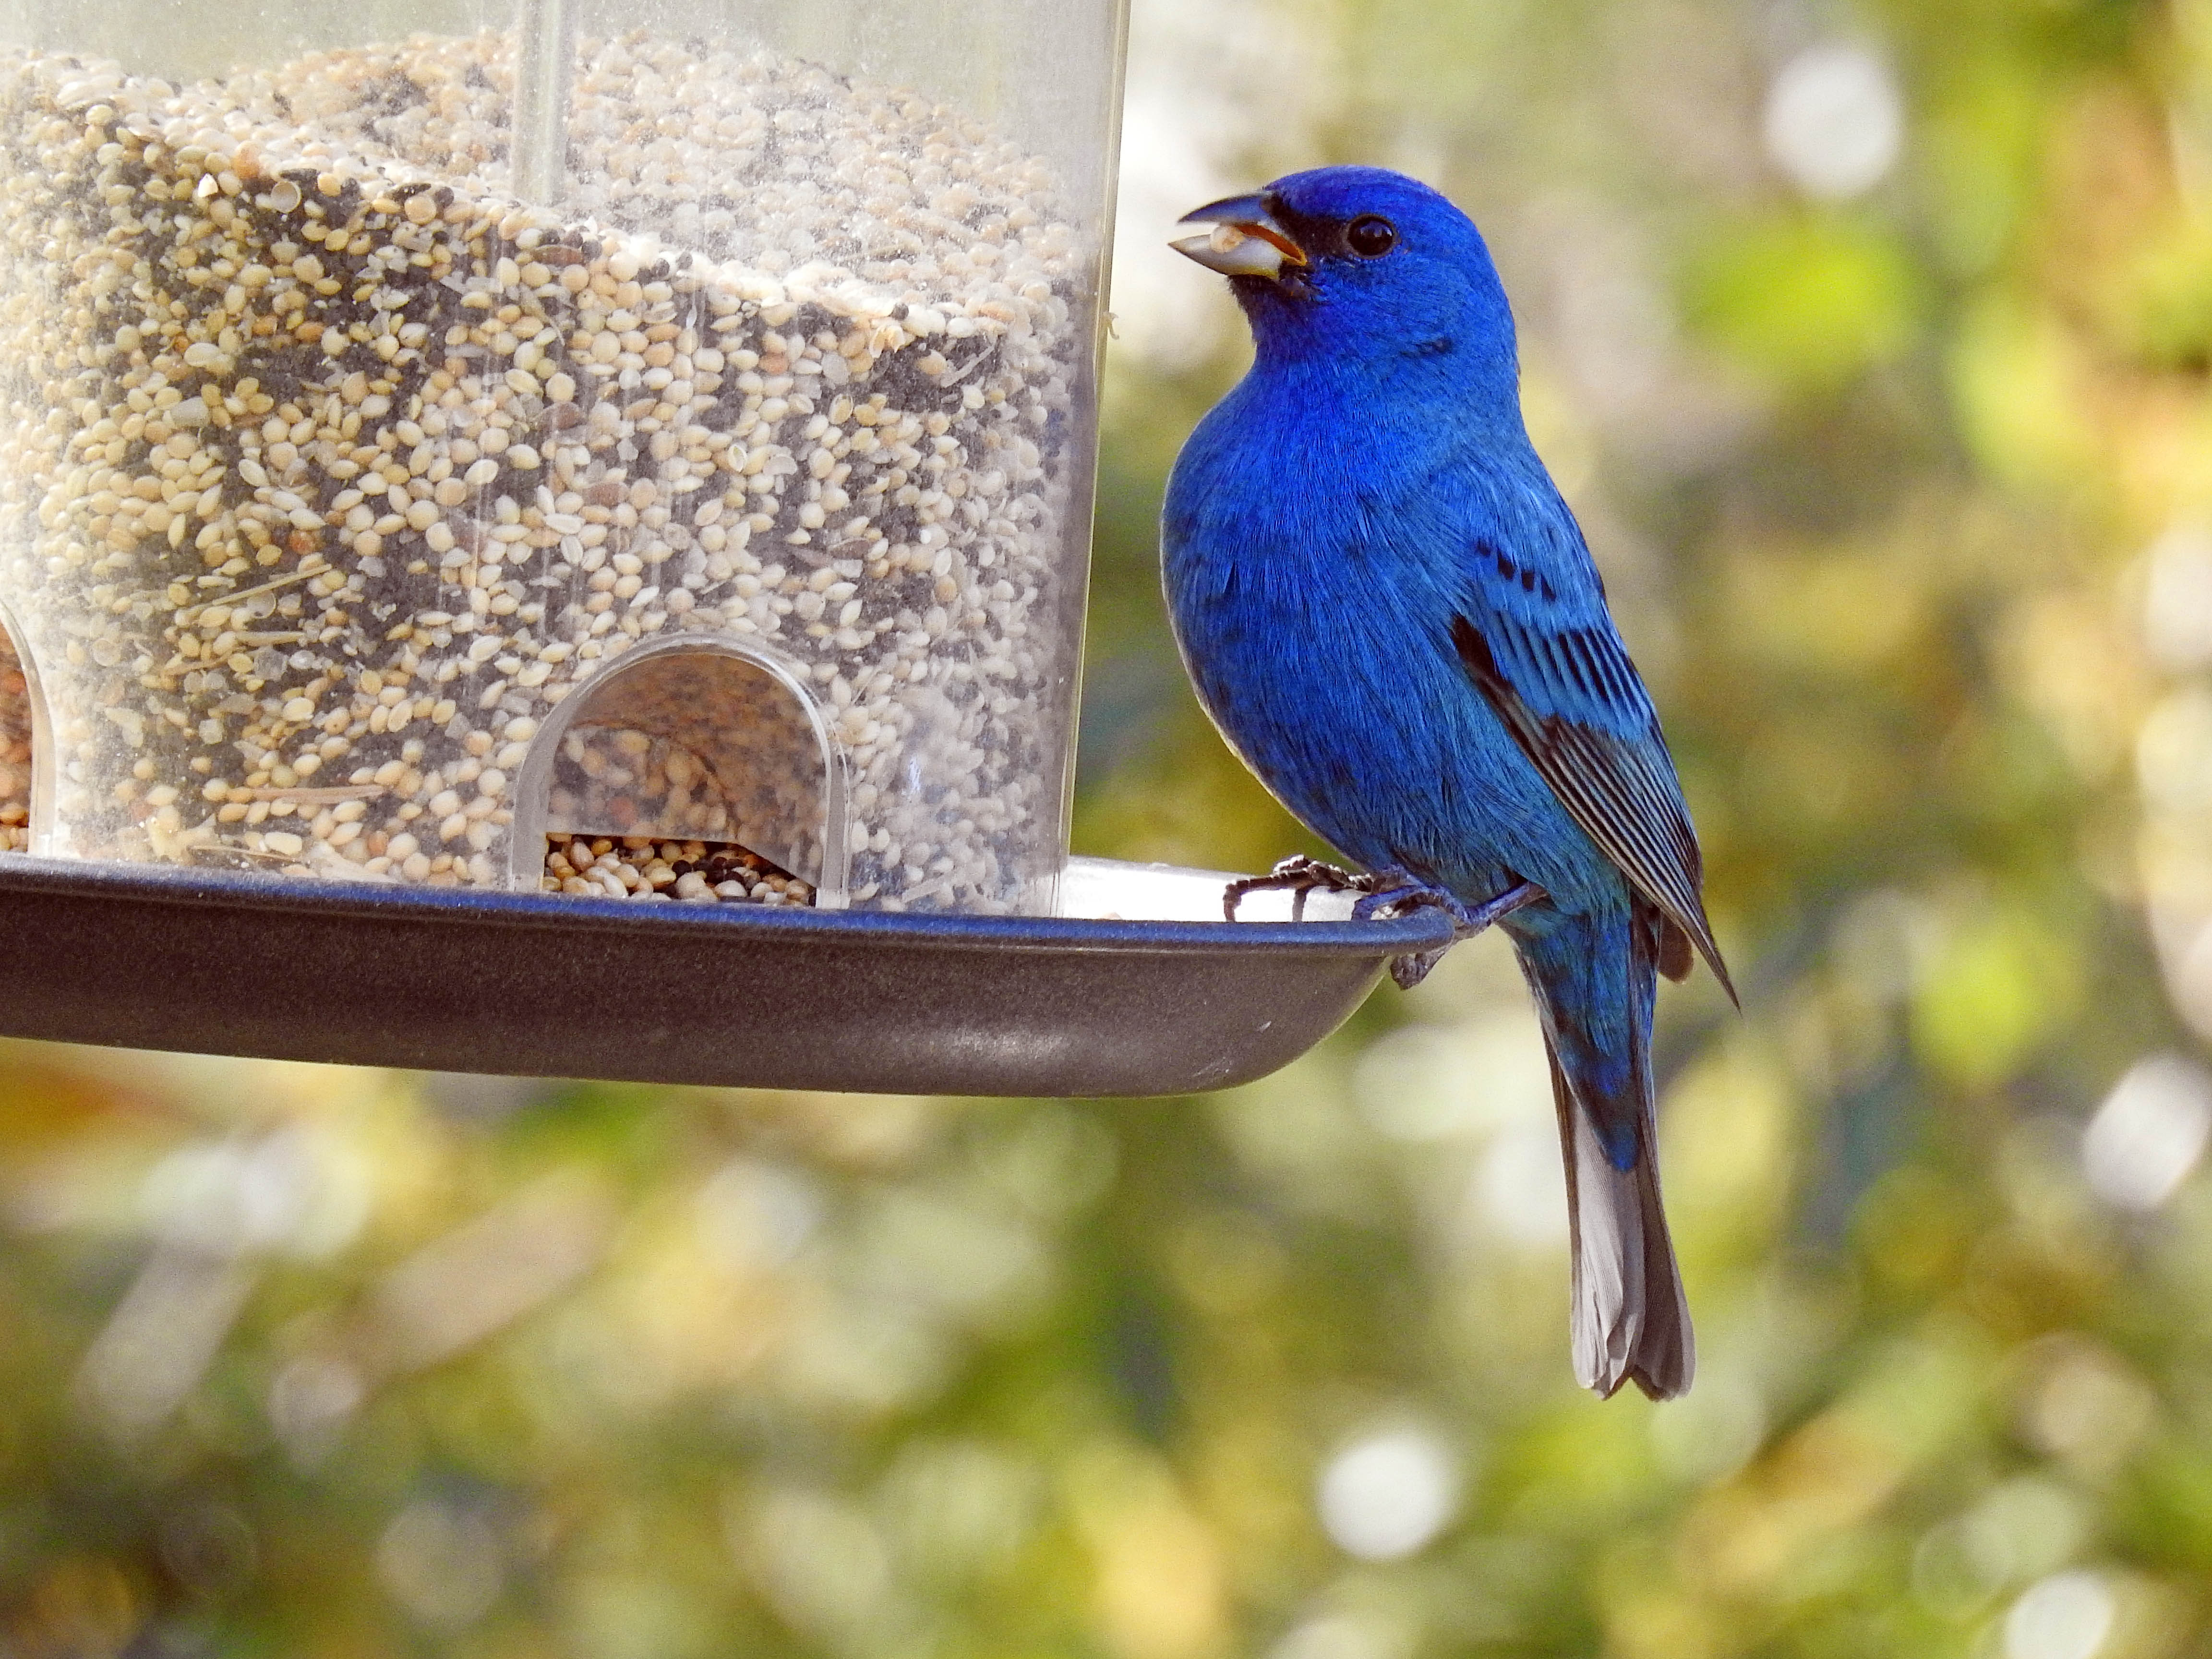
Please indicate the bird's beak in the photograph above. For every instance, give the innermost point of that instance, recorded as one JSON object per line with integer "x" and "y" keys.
{"x": 1246, "y": 241}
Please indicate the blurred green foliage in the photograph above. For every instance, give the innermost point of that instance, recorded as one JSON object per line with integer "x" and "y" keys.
{"x": 306, "y": 1362}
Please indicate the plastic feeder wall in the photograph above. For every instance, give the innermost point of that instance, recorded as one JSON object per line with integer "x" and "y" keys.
{"x": 433, "y": 428}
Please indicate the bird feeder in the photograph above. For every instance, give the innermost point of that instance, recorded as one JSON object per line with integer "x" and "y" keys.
{"x": 538, "y": 500}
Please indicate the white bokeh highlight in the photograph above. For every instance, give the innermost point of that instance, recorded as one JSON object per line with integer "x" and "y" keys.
{"x": 1713, "y": 1431}
{"x": 2067, "y": 1615}
{"x": 1343, "y": 1636}
{"x": 1519, "y": 1187}
{"x": 2150, "y": 1133}
{"x": 1387, "y": 1494}
{"x": 1481, "y": 1085}
{"x": 1217, "y": 97}
{"x": 443, "y": 1564}
{"x": 1834, "y": 120}
{"x": 2178, "y": 597}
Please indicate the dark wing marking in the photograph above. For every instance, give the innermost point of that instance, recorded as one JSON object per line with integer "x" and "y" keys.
{"x": 1620, "y": 789}
{"x": 1675, "y": 957}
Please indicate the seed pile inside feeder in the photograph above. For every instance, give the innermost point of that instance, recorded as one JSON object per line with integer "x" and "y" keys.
{"x": 330, "y": 469}
{"x": 692, "y": 871}
{"x": 14, "y": 753}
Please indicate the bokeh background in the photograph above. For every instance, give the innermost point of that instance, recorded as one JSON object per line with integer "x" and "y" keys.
{"x": 1872, "y": 345}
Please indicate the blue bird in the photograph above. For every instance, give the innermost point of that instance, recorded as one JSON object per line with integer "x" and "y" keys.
{"x": 1391, "y": 616}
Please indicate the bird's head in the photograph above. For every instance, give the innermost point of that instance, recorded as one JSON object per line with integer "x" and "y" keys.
{"x": 1359, "y": 263}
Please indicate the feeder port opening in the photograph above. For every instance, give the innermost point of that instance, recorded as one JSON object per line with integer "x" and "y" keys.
{"x": 694, "y": 767}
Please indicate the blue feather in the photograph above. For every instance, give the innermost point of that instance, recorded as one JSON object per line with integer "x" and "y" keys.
{"x": 1393, "y": 617}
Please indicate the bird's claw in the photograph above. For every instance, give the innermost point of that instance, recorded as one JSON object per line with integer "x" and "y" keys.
{"x": 1300, "y": 875}
{"x": 1384, "y": 894}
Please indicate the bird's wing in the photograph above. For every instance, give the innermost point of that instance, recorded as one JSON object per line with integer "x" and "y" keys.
{"x": 1535, "y": 636}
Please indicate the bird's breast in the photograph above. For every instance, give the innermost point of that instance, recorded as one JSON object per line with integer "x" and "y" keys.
{"x": 1320, "y": 644}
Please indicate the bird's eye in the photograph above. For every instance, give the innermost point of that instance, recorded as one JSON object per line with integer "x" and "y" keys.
{"x": 1371, "y": 236}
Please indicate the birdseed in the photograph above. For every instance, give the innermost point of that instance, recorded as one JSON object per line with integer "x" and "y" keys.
{"x": 332, "y": 470}
{"x": 14, "y": 751}
{"x": 693, "y": 871}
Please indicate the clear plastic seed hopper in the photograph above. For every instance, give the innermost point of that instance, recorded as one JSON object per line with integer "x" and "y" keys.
{"x": 511, "y": 509}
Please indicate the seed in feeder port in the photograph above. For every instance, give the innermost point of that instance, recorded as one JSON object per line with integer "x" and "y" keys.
{"x": 639, "y": 867}
{"x": 14, "y": 751}
{"x": 336, "y": 484}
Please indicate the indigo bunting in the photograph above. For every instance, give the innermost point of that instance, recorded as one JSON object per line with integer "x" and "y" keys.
{"x": 1391, "y": 614}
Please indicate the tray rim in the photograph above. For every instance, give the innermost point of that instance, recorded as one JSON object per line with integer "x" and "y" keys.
{"x": 1423, "y": 930}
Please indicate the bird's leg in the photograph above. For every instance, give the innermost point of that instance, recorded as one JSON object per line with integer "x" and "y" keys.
{"x": 1394, "y": 892}
{"x": 1301, "y": 875}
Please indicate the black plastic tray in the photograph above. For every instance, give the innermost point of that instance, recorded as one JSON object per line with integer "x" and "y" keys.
{"x": 524, "y": 985}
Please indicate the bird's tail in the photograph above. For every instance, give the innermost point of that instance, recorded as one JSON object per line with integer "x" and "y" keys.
{"x": 1594, "y": 979}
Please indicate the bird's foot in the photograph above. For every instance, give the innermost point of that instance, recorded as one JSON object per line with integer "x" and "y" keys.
{"x": 1396, "y": 892}
{"x": 1384, "y": 893}
{"x": 1300, "y": 876}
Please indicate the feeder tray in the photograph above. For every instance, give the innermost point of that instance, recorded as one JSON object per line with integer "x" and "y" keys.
{"x": 523, "y": 984}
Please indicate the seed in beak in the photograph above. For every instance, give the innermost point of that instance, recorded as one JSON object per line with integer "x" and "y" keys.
{"x": 1233, "y": 250}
